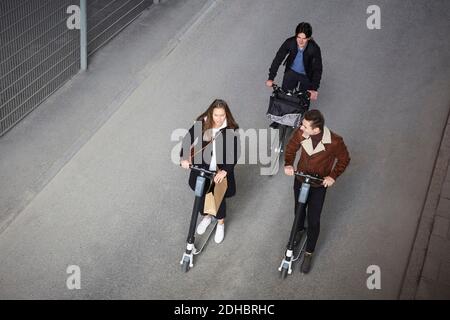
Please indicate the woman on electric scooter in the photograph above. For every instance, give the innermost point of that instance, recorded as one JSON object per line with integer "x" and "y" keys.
{"x": 217, "y": 152}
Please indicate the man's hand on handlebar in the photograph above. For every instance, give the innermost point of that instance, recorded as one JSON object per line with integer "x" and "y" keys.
{"x": 328, "y": 182}
{"x": 289, "y": 170}
{"x": 314, "y": 94}
{"x": 185, "y": 164}
{"x": 269, "y": 83}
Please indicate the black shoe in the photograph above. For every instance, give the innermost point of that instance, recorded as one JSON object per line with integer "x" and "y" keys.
{"x": 298, "y": 237}
{"x": 274, "y": 125}
{"x": 306, "y": 264}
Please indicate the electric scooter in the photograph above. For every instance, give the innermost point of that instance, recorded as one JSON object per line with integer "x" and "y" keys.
{"x": 187, "y": 261}
{"x": 290, "y": 256}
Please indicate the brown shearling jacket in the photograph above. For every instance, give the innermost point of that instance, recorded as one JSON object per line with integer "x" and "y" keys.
{"x": 329, "y": 158}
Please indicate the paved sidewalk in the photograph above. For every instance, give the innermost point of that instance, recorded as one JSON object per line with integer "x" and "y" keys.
{"x": 428, "y": 272}
{"x": 116, "y": 206}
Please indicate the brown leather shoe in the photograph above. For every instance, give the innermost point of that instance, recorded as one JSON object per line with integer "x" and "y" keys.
{"x": 306, "y": 264}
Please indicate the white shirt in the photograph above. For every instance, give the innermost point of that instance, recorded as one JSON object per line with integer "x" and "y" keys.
{"x": 213, "y": 164}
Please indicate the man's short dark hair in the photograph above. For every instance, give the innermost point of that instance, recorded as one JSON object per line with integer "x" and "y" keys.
{"x": 304, "y": 27}
{"x": 316, "y": 118}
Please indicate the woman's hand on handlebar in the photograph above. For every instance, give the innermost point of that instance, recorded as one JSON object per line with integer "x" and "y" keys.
{"x": 328, "y": 182}
{"x": 289, "y": 170}
{"x": 269, "y": 83}
{"x": 220, "y": 176}
{"x": 185, "y": 164}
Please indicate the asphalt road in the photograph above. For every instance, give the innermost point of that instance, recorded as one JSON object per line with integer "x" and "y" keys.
{"x": 120, "y": 208}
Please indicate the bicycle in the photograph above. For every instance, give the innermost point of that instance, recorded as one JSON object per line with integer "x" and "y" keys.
{"x": 286, "y": 109}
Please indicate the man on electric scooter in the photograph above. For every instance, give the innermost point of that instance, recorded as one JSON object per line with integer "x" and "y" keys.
{"x": 303, "y": 62}
{"x": 323, "y": 153}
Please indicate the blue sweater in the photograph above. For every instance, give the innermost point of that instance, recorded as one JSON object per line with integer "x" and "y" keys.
{"x": 298, "y": 65}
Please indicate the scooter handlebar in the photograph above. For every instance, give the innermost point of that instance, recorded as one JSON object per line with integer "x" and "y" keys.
{"x": 308, "y": 176}
{"x": 192, "y": 167}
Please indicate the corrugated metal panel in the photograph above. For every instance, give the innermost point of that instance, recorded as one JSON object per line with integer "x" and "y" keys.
{"x": 39, "y": 53}
{"x": 107, "y": 18}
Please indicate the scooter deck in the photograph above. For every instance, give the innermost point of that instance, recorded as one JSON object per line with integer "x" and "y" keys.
{"x": 298, "y": 249}
{"x": 202, "y": 240}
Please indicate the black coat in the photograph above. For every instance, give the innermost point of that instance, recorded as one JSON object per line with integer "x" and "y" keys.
{"x": 312, "y": 60}
{"x": 226, "y": 158}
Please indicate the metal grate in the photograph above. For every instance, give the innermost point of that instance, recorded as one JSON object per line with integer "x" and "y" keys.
{"x": 106, "y": 18}
{"x": 38, "y": 53}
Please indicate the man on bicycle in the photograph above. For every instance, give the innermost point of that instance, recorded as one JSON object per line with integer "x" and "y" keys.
{"x": 323, "y": 153}
{"x": 303, "y": 62}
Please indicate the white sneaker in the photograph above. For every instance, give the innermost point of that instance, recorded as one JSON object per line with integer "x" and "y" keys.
{"x": 201, "y": 228}
{"x": 220, "y": 233}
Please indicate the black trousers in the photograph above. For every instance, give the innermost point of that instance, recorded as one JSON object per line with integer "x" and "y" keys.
{"x": 221, "y": 213}
{"x": 312, "y": 211}
{"x": 292, "y": 79}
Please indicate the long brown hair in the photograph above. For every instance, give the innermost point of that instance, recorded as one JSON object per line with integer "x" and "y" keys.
{"x": 209, "y": 122}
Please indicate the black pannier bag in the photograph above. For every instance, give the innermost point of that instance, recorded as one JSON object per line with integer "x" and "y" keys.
{"x": 286, "y": 108}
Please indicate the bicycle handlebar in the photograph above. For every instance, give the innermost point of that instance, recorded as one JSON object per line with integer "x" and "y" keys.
{"x": 277, "y": 88}
{"x": 307, "y": 176}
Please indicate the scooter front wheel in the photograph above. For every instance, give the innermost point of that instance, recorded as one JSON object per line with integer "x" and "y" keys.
{"x": 185, "y": 266}
{"x": 283, "y": 273}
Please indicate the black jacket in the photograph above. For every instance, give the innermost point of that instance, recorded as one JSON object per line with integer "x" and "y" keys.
{"x": 312, "y": 60}
{"x": 226, "y": 159}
